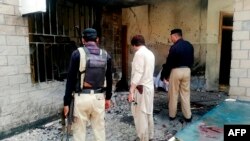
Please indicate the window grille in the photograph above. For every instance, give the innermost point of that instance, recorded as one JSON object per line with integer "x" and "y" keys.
{"x": 53, "y": 37}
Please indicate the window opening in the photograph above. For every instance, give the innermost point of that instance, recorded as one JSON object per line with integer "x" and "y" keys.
{"x": 52, "y": 38}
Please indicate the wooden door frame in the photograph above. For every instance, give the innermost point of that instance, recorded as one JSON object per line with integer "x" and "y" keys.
{"x": 124, "y": 52}
{"x": 221, "y": 28}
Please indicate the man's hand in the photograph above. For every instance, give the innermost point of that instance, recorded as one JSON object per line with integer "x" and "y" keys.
{"x": 166, "y": 81}
{"x": 131, "y": 97}
{"x": 66, "y": 110}
{"x": 131, "y": 92}
{"x": 107, "y": 104}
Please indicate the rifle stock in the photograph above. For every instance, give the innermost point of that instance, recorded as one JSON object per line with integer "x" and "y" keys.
{"x": 68, "y": 120}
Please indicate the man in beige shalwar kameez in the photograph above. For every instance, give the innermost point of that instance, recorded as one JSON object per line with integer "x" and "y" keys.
{"x": 141, "y": 92}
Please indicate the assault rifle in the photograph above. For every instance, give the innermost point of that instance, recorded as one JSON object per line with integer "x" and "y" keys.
{"x": 68, "y": 120}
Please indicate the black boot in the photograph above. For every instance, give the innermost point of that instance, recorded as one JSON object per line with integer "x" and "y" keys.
{"x": 188, "y": 119}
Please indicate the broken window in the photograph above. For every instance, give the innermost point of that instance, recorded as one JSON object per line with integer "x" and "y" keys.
{"x": 53, "y": 36}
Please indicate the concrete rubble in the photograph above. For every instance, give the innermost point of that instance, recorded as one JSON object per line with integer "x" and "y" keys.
{"x": 119, "y": 121}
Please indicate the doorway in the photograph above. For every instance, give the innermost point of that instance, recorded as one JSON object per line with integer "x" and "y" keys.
{"x": 124, "y": 52}
{"x": 122, "y": 84}
{"x": 226, "y": 30}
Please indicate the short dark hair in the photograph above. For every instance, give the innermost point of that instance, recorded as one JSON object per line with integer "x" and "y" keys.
{"x": 89, "y": 34}
{"x": 138, "y": 40}
{"x": 176, "y": 31}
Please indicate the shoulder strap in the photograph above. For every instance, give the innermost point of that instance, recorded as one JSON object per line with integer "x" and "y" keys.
{"x": 104, "y": 55}
{"x": 83, "y": 53}
{"x": 82, "y": 66}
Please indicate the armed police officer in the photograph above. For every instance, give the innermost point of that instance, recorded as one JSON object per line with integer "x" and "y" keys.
{"x": 90, "y": 79}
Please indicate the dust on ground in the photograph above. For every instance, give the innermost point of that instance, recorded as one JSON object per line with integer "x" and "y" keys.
{"x": 119, "y": 120}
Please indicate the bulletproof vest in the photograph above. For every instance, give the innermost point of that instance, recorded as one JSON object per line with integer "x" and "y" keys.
{"x": 95, "y": 68}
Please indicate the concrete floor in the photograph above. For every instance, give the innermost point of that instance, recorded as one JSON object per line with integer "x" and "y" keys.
{"x": 119, "y": 121}
{"x": 216, "y": 124}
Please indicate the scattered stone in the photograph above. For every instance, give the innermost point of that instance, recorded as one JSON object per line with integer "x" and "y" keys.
{"x": 157, "y": 111}
{"x": 120, "y": 123}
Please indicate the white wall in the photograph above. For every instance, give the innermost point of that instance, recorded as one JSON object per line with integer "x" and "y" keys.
{"x": 240, "y": 65}
{"x": 21, "y": 102}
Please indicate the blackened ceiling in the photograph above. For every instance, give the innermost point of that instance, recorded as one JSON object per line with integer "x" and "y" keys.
{"x": 118, "y": 3}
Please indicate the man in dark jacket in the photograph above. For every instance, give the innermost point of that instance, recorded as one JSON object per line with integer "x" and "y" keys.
{"x": 90, "y": 99}
{"x": 177, "y": 71}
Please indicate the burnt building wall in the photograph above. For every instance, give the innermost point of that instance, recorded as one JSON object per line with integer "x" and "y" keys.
{"x": 111, "y": 37}
{"x": 200, "y": 23}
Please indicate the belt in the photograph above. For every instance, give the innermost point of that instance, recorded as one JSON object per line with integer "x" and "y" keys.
{"x": 88, "y": 91}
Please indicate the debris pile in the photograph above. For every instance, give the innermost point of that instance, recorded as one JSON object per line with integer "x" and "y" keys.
{"x": 119, "y": 120}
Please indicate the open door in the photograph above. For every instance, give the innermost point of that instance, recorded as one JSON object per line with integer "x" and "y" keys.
{"x": 122, "y": 85}
{"x": 226, "y": 30}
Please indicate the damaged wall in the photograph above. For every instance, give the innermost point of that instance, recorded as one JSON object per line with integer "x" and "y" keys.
{"x": 136, "y": 20}
{"x": 111, "y": 36}
{"x": 173, "y": 14}
{"x": 199, "y": 20}
{"x": 156, "y": 22}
